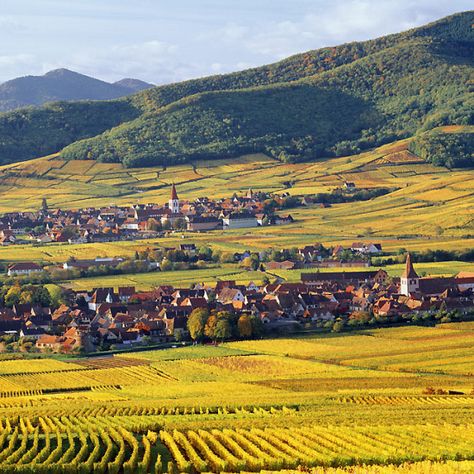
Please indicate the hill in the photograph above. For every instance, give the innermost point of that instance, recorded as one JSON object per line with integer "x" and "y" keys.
{"x": 429, "y": 206}
{"x": 328, "y": 102}
{"x": 62, "y": 84}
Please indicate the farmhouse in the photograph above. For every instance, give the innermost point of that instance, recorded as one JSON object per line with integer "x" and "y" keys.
{"x": 23, "y": 268}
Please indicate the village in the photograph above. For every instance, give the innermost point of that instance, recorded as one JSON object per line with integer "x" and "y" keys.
{"x": 143, "y": 221}
{"x": 120, "y": 318}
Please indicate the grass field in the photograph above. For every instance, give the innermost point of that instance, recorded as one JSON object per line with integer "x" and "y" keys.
{"x": 322, "y": 402}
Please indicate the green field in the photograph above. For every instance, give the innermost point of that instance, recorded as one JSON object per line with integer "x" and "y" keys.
{"x": 314, "y": 401}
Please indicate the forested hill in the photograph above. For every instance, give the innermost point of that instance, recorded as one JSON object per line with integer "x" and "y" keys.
{"x": 330, "y": 101}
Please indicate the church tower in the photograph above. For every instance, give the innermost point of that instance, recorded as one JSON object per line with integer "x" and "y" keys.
{"x": 173, "y": 203}
{"x": 409, "y": 281}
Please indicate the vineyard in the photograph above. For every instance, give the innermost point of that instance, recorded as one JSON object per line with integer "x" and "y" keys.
{"x": 327, "y": 404}
{"x": 132, "y": 444}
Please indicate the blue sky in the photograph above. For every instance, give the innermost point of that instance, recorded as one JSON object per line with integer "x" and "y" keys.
{"x": 170, "y": 40}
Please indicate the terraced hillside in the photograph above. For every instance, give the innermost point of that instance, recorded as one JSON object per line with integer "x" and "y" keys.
{"x": 425, "y": 199}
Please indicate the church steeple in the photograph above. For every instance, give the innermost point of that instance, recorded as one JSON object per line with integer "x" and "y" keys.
{"x": 174, "y": 200}
{"x": 409, "y": 281}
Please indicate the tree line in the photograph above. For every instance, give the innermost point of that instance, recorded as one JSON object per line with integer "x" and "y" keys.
{"x": 217, "y": 326}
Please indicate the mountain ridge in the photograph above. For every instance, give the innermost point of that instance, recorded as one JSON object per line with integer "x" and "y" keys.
{"x": 390, "y": 87}
{"x": 62, "y": 84}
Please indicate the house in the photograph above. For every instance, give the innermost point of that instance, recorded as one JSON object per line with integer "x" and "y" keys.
{"x": 229, "y": 295}
{"x": 101, "y": 296}
{"x": 282, "y": 220}
{"x": 310, "y": 252}
{"x": 349, "y": 185}
{"x": 7, "y": 237}
{"x": 85, "y": 264}
{"x": 70, "y": 340}
{"x": 202, "y": 223}
{"x": 369, "y": 248}
{"x": 23, "y": 268}
{"x": 465, "y": 281}
{"x": 125, "y": 293}
{"x": 345, "y": 278}
{"x": 411, "y": 283}
{"x": 286, "y": 265}
{"x": 239, "y": 220}
{"x": 32, "y": 333}
{"x": 189, "y": 249}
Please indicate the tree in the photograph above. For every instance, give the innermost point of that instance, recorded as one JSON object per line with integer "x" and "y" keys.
{"x": 210, "y": 327}
{"x": 69, "y": 232}
{"x": 36, "y": 295}
{"x": 197, "y": 323}
{"x": 222, "y": 329}
{"x": 338, "y": 326}
{"x": 257, "y": 326}
{"x": 254, "y": 261}
{"x": 12, "y": 296}
{"x": 244, "y": 326}
{"x": 180, "y": 224}
{"x": 153, "y": 225}
{"x": 205, "y": 253}
{"x": 227, "y": 257}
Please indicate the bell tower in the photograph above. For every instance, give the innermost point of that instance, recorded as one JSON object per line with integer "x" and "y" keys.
{"x": 173, "y": 203}
{"x": 409, "y": 281}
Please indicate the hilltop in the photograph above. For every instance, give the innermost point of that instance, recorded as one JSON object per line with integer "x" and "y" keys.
{"x": 327, "y": 102}
{"x": 62, "y": 84}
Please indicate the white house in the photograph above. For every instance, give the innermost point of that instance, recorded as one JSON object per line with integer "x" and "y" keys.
{"x": 24, "y": 268}
{"x": 239, "y": 221}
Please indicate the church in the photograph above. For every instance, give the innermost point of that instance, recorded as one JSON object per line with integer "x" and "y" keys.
{"x": 411, "y": 284}
{"x": 173, "y": 213}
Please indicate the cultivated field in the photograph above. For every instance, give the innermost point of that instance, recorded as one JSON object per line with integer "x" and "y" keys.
{"x": 428, "y": 198}
{"x": 338, "y": 403}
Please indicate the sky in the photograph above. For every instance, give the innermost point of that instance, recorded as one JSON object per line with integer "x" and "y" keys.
{"x": 162, "y": 41}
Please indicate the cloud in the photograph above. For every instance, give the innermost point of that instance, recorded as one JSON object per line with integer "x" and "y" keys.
{"x": 162, "y": 42}
{"x": 9, "y": 24}
{"x": 334, "y": 22}
{"x": 16, "y": 65}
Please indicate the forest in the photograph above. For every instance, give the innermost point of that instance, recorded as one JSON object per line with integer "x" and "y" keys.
{"x": 329, "y": 102}
{"x": 451, "y": 150}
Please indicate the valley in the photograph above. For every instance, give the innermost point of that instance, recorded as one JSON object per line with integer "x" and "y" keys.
{"x": 263, "y": 271}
